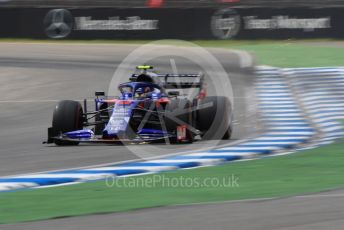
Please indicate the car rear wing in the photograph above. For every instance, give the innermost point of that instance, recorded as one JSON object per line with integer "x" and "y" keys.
{"x": 181, "y": 81}
{"x": 176, "y": 81}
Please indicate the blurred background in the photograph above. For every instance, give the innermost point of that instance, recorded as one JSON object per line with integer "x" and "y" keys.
{"x": 169, "y": 3}
{"x": 161, "y": 19}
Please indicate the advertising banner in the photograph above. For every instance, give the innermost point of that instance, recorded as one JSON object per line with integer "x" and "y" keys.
{"x": 145, "y": 23}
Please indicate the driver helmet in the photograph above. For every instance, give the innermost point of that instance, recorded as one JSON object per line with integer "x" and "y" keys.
{"x": 139, "y": 92}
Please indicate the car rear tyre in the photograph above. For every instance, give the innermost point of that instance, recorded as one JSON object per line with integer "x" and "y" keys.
{"x": 214, "y": 118}
{"x": 228, "y": 133}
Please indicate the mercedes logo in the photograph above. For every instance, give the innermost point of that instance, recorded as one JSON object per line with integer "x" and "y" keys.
{"x": 225, "y": 23}
{"x": 58, "y": 23}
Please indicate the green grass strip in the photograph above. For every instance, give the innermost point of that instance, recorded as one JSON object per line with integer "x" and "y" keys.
{"x": 304, "y": 172}
{"x": 280, "y": 53}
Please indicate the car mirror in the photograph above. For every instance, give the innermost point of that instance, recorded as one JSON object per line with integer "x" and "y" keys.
{"x": 99, "y": 93}
{"x": 173, "y": 93}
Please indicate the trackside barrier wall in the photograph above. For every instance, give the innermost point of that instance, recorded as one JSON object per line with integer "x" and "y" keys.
{"x": 165, "y": 23}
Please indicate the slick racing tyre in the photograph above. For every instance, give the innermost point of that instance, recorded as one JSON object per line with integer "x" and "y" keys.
{"x": 68, "y": 116}
{"x": 214, "y": 118}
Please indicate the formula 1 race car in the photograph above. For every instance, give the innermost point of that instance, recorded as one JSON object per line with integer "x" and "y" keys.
{"x": 150, "y": 108}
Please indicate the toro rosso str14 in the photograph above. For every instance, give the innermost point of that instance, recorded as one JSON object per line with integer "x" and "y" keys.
{"x": 149, "y": 108}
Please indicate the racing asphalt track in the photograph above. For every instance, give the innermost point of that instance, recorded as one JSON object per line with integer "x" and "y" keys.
{"x": 33, "y": 77}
